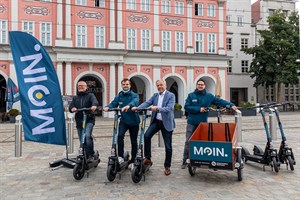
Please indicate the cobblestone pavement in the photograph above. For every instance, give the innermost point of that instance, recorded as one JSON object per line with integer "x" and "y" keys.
{"x": 29, "y": 176}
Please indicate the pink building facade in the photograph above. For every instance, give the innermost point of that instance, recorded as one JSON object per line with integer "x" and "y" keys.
{"x": 104, "y": 41}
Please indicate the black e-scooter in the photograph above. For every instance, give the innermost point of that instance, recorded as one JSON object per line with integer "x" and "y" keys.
{"x": 139, "y": 169}
{"x": 285, "y": 153}
{"x": 113, "y": 165}
{"x": 82, "y": 163}
{"x": 269, "y": 156}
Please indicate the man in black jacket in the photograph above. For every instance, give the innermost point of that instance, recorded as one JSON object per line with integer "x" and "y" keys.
{"x": 84, "y": 99}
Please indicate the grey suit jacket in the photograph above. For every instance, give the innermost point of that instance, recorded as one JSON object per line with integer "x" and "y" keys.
{"x": 167, "y": 109}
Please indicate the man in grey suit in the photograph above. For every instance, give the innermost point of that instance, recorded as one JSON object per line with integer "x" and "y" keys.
{"x": 162, "y": 119}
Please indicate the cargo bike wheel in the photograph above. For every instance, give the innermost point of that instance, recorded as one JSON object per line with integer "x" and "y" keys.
{"x": 240, "y": 164}
{"x": 192, "y": 170}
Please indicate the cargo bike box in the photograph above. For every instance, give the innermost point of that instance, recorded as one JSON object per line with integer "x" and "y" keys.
{"x": 214, "y": 145}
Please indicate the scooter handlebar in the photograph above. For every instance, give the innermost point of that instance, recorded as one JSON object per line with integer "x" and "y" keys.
{"x": 114, "y": 109}
{"x": 143, "y": 109}
{"x": 87, "y": 109}
{"x": 263, "y": 106}
{"x": 219, "y": 109}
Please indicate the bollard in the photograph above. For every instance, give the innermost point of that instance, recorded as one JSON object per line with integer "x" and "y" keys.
{"x": 70, "y": 128}
{"x": 238, "y": 121}
{"x": 18, "y": 136}
{"x": 272, "y": 125}
{"x": 160, "y": 140}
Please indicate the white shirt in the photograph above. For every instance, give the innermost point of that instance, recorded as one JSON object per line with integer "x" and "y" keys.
{"x": 159, "y": 104}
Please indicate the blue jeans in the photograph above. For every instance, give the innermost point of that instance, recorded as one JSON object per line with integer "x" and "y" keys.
{"x": 154, "y": 127}
{"x": 189, "y": 132}
{"x": 88, "y": 138}
{"x": 133, "y": 132}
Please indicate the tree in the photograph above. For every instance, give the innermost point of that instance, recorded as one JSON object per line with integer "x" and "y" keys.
{"x": 275, "y": 55}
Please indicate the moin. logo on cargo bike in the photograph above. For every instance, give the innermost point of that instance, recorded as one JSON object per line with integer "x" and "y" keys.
{"x": 211, "y": 151}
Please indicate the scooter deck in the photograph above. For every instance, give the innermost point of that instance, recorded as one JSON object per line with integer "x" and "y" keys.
{"x": 256, "y": 158}
{"x": 69, "y": 163}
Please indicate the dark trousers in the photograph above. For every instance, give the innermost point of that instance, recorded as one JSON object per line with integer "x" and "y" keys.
{"x": 154, "y": 127}
{"x": 133, "y": 132}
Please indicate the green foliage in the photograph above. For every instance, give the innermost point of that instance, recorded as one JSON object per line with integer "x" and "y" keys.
{"x": 275, "y": 55}
{"x": 177, "y": 107}
{"x": 246, "y": 105}
{"x": 13, "y": 112}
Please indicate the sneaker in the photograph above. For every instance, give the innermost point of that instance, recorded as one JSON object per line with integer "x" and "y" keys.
{"x": 80, "y": 152}
{"x": 184, "y": 164}
{"x": 167, "y": 171}
{"x": 147, "y": 161}
{"x": 121, "y": 160}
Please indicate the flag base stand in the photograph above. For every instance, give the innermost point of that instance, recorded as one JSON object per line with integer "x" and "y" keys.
{"x": 66, "y": 162}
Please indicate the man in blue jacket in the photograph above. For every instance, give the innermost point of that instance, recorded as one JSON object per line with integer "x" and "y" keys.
{"x": 130, "y": 120}
{"x": 84, "y": 99}
{"x": 162, "y": 119}
{"x": 196, "y": 104}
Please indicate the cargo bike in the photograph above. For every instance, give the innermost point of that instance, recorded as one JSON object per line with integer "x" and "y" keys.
{"x": 215, "y": 146}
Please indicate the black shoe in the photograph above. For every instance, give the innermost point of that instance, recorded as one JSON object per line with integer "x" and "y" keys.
{"x": 184, "y": 164}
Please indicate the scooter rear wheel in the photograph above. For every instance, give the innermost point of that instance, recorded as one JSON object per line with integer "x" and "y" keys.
{"x": 291, "y": 162}
{"x": 136, "y": 174}
{"x": 78, "y": 171}
{"x": 111, "y": 173}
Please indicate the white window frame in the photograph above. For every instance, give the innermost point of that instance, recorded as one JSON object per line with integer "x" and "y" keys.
{"x": 240, "y": 20}
{"x": 27, "y": 29}
{"x": 166, "y": 6}
{"x": 145, "y": 39}
{"x": 229, "y": 69}
{"x": 179, "y": 41}
{"x": 166, "y": 41}
{"x": 130, "y": 4}
{"x": 245, "y": 66}
{"x": 229, "y": 44}
{"x": 81, "y": 37}
{"x": 179, "y": 8}
{"x": 131, "y": 38}
{"x": 211, "y": 10}
{"x": 244, "y": 43}
{"x": 46, "y": 35}
{"x": 145, "y": 5}
{"x": 228, "y": 20}
{"x": 199, "y": 42}
{"x": 3, "y": 31}
{"x": 99, "y": 34}
{"x": 199, "y": 9}
{"x": 100, "y": 3}
{"x": 45, "y": 0}
{"x": 81, "y": 2}
{"x": 212, "y": 43}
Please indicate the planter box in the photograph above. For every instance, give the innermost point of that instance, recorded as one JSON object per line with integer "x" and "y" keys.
{"x": 248, "y": 112}
{"x": 178, "y": 114}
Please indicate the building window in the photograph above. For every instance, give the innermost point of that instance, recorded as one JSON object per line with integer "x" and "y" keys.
{"x": 81, "y": 2}
{"x": 179, "y": 41}
{"x": 228, "y": 20}
{"x": 3, "y": 31}
{"x": 165, "y": 6}
{"x": 131, "y": 39}
{"x": 271, "y": 12}
{"x": 179, "y": 8}
{"x": 211, "y": 10}
{"x": 145, "y": 5}
{"x": 100, "y": 3}
{"x": 145, "y": 39}
{"x": 198, "y": 9}
{"x": 99, "y": 37}
{"x": 239, "y": 20}
{"x": 229, "y": 69}
{"x": 229, "y": 44}
{"x": 199, "y": 39}
{"x": 285, "y": 13}
{"x": 46, "y": 0}
{"x": 244, "y": 43}
{"x": 244, "y": 66}
{"x": 28, "y": 27}
{"x": 130, "y": 4}
{"x": 81, "y": 36}
{"x": 45, "y": 33}
{"x": 166, "y": 41}
{"x": 212, "y": 43}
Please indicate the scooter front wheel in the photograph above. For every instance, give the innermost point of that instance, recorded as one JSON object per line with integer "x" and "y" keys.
{"x": 136, "y": 174}
{"x": 111, "y": 173}
{"x": 78, "y": 171}
{"x": 275, "y": 164}
{"x": 291, "y": 162}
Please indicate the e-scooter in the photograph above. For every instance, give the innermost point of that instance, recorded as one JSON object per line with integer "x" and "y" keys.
{"x": 285, "y": 153}
{"x": 269, "y": 156}
{"x": 113, "y": 166}
{"x": 82, "y": 163}
{"x": 139, "y": 169}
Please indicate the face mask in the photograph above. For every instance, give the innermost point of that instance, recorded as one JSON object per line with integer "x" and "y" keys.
{"x": 125, "y": 91}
